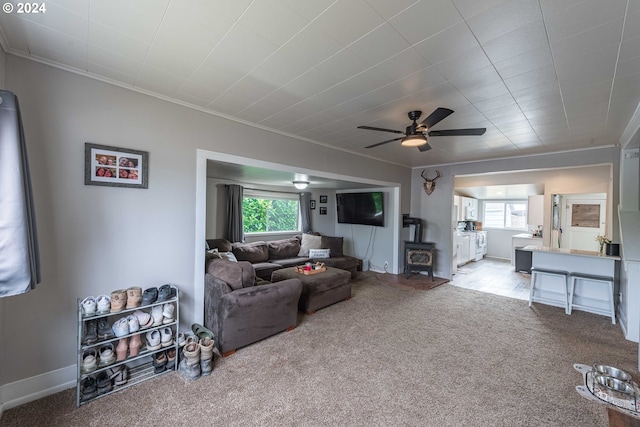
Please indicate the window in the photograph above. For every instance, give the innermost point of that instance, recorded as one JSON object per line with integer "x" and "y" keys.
{"x": 264, "y": 212}
{"x": 505, "y": 214}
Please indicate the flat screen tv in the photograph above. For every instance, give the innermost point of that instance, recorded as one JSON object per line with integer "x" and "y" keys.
{"x": 361, "y": 208}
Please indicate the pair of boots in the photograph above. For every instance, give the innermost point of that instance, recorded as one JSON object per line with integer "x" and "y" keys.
{"x": 132, "y": 344}
{"x": 198, "y": 357}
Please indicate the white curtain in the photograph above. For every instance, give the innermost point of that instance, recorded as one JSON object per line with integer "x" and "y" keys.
{"x": 19, "y": 256}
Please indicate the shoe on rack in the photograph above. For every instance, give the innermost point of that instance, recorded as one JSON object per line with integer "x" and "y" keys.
{"x": 103, "y": 303}
{"x": 134, "y": 326}
{"x": 156, "y": 313}
{"x": 134, "y": 297}
{"x": 149, "y": 296}
{"x": 118, "y": 300}
{"x": 182, "y": 340}
{"x": 166, "y": 292}
{"x": 121, "y": 327}
{"x": 171, "y": 358}
{"x": 89, "y": 306}
{"x": 89, "y": 361}
{"x": 119, "y": 374}
{"x": 159, "y": 362}
{"x": 166, "y": 336}
{"x": 107, "y": 355}
{"x": 167, "y": 312}
{"x": 154, "y": 340}
{"x": 91, "y": 332}
{"x": 121, "y": 349}
{"x": 135, "y": 344}
{"x": 104, "y": 330}
{"x": 104, "y": 383}
{"x": 145, "y": 320}
{"x": 88, "y": 389}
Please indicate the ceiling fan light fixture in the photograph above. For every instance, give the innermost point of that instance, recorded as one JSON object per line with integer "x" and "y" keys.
{"x": 300, "y": 185}
{"x": 413, "y": 140}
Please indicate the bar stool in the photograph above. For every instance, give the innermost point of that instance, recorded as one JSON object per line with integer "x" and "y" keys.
{"x": 537, "y": 272}
{"x": 608, "y": 280}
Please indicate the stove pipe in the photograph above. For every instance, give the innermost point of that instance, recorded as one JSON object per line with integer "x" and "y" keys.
{"x": 417, "y": 232}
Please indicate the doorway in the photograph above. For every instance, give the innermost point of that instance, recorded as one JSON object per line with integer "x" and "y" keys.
{"x": 582, "y": 217}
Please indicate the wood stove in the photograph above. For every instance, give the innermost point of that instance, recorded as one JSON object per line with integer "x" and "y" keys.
{"x": 418, "y": 256}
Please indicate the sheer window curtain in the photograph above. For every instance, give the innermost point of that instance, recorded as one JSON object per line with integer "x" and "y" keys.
{"x": 235, "y": 232}
{"x": 305, "y": 211}
{"x": 19, "y": 256}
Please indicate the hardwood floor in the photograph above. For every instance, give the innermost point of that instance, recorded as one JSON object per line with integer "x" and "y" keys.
{"x": 494, "y": 276}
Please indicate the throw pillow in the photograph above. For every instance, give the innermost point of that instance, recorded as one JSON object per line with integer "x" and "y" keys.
{"x": 309, "y": 241}
{"x": 319, "y": 253}
{"x": 253, "y": 252}
{"x": 223, "y": 245}
{"x": 333, "y": 243}
{"x": 285, "y": 248}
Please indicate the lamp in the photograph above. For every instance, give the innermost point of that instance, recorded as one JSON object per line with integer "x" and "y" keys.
{"x": 413, "y": 140}
{"x": 300, "y": 185}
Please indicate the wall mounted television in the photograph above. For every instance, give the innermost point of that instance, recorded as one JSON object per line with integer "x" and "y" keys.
{"x": 361, "y": 208}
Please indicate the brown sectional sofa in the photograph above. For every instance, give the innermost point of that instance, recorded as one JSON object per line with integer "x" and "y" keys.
{"x": 269, "y": 256}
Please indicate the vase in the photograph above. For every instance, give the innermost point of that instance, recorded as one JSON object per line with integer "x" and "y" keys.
{"x": 601, "y": 252}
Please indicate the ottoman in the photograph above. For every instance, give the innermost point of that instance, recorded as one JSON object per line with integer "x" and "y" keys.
{"x": 320, "y": 289}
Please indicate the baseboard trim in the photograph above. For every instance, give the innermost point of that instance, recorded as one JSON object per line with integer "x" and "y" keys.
{"x": 36, "y": 387}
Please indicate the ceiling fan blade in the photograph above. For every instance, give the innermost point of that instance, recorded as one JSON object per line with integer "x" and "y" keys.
{"x": 383, "y": 142}
{"x": 380, "y": 129}
{"x": 425, "y": 147}
{"x": 435, "y": 117}
{"x": 458, "y": 132}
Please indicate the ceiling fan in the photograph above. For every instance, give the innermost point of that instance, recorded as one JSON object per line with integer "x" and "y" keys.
{"x": 416, "y": 134}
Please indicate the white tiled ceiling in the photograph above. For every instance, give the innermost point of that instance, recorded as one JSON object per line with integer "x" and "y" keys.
{"x": 540, "y": 75}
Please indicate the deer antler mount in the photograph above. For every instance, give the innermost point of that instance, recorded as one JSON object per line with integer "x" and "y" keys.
{"x": 429, "y": 184}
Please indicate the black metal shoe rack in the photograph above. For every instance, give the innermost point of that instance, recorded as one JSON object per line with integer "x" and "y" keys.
{"x": 140, "y": 367}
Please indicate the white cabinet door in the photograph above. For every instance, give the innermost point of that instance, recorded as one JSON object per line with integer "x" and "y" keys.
{"x": 463, "y": 248}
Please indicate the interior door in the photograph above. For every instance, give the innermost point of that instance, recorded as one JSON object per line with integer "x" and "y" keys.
{"x": 585, "y": 218}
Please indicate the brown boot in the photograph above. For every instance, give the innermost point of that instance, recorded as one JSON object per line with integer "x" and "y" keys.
{"x": 118, "y": 300}
{"x": 121, "y": 349}
{"x": 134, "y": 297}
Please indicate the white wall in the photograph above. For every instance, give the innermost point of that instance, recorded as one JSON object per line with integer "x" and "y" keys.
{"x": 436, "y": 209}
{"x": 97, "y": 239}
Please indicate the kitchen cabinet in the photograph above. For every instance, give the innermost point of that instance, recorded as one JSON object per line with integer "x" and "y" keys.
{"x": 464, "y": 244}
{"x": 468, "y": 208}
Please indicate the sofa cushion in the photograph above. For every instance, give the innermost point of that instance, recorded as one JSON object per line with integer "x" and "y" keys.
{"x": 309, "y": 241}
{"x": 291, "y": 262}
{"x": 222, "y": 245}
{"x": 237, "y": 275}
{"x": 252, "y": 252}
{"x": 334, "y": 244}
{"x": 285, "y": 248}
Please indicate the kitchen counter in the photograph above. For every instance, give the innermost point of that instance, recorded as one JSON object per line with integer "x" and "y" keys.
{"x": 522, "y": 240}
{"x": 566, "y": 251}
{"x": 590, "y": 296}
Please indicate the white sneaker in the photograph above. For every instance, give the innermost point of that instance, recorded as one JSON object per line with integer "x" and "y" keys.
{"x": 156, "y": 313}
{"x": 89, "y": 306}
{"x": 121, "y": 327}
{"x": 104, "y": 304}
{"x": 134, "y": 325}
{"x": 153, "y": 340}
{"x": 166, "y": 336}
{"x": 89, "y": 361}
{"x": 144, "y": 319}
{"x": 167, "y": 312}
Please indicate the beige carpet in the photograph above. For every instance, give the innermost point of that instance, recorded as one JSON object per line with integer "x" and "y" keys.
{"x": 388, "y": 356}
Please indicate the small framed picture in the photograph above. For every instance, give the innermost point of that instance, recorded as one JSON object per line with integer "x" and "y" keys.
{"x": 323, "y": 210}
{"x": 323, "y": 199}
{"x": 312, "y": 204}
{"x": 115, "y": 166}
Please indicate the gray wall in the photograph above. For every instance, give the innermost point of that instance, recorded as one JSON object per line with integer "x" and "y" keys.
{"x": 97, "y": 239}
{"x": 436, "y": 209}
